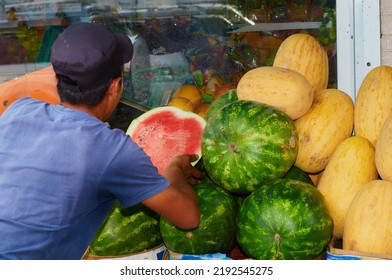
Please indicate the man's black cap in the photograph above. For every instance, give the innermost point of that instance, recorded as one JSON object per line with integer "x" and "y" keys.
{"x": 90, "y": 54}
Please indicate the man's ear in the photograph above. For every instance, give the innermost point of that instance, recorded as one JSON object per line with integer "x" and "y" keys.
{"x": 115, "y": 87}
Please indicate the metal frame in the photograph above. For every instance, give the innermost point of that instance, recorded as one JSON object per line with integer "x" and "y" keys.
{"x": 358, "y": 42}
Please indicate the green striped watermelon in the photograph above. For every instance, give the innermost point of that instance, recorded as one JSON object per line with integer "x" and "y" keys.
{"x": 223, "y": 100}
{"x": 127, "y": 231}
{"x": 284, "y": 219}
{"x": 216, "y": 231}
{"x": 247, "y": 143}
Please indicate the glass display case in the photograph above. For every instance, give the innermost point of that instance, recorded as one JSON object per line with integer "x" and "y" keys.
{"x": 207, "y": 43}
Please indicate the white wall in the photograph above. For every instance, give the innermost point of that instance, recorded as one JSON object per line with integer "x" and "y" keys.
{"x": 386, "y": 32}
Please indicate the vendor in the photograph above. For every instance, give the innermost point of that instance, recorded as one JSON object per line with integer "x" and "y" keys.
{"x": 62, "y": 167}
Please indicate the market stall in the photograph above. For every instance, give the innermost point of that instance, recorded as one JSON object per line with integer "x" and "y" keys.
{"x": 288, "y": 127}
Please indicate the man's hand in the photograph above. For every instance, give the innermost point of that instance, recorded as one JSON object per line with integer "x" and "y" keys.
{"x": 181, "y": 171}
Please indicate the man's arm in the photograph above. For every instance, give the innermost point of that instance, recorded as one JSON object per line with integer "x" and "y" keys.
{"x": 178, "y": 203}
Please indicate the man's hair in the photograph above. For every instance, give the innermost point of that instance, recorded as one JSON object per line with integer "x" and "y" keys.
{"x": 90, "y": 98}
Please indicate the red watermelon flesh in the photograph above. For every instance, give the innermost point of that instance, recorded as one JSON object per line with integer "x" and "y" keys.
{"x": 165, "y": 132}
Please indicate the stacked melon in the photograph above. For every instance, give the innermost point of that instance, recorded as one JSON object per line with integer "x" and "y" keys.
{"x": 355, "y": 182}
{"x": 368, "y": 226}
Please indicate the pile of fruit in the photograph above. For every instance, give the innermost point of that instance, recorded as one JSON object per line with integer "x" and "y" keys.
{"x": 197, "y": 97}
{"x": 290, "y": 163}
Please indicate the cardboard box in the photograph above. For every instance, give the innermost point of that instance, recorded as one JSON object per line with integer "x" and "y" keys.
{"x": 156, "y": 253}
{"x": 335, "y": 252}
{"x": 169, "y": 255}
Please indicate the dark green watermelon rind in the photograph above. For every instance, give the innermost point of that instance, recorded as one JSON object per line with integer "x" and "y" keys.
{"x": 223, "y": 100}
{"x": 216, "y": 231}
{"x": 298, "y": 174}
{"x": 294, "y": 210}
{"x": 265, "y": 141}
{"x": 127, "y": 231}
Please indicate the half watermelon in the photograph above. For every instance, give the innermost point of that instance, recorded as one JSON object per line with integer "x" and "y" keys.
{"x": 165, "y": 132}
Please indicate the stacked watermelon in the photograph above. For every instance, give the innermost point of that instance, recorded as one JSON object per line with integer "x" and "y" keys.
{"x": 127, "y": 231}
{"x": 284, "y": 219}
{"x": 216, "y": 231}
{"x": 252, "y": 197}
{"x": 247, "y": 143}
{"x": 249, "y": 149}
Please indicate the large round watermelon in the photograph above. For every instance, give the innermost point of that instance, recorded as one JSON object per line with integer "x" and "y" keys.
{"x": 127, "y": 231}
{"x": 165, "y": 132}
{"x": 247, "y": 143}
{"x": 216, "y": 231}
{"x": 284, "y": 219}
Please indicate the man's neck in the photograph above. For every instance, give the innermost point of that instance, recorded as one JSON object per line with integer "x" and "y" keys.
{"x": 93, "y": 111}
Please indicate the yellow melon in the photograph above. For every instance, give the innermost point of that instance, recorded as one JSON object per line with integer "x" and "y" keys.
{"x": 368, "y": 224}
{"x": 327, "y": 123}
{"x": 384, "y": 151}
{"x": 351, "y": 166}
{"x": 282, "y": 88}
{"x": 304, "y": 54}
{"x": 373, "y": 102}
{"x": 182, "y": 103}
{"x": 190, "y": 92}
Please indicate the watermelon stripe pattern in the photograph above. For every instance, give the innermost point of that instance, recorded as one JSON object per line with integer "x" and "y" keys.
{"x": 127, "y": 231}
{"x": 247, "y": 143}
{"x": 285, "y": 219}
{"x": 223, "y": 100}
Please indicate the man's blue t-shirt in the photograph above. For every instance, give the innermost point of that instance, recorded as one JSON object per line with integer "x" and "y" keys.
{"x": 60, "y": 172}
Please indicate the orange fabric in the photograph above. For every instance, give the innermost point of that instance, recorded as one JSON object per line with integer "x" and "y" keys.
{"x": 40, "y": 84}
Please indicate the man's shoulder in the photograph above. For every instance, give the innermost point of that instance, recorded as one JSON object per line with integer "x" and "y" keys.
{"x": 22, "y": 102}
{"x": 18, "y": 107}
{"x": 27, "y": 100}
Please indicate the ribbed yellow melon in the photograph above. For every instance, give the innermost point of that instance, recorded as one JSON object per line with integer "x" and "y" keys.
{"x": 327, "y": 123}
{"x": 282, "y": 88}
{"x": 373, "y": 102}
{"x": 304, "y": 54}
{"x": 351, "y": 166}
{"x": 384, "y": 150}
{"x": 368, "y": 225}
